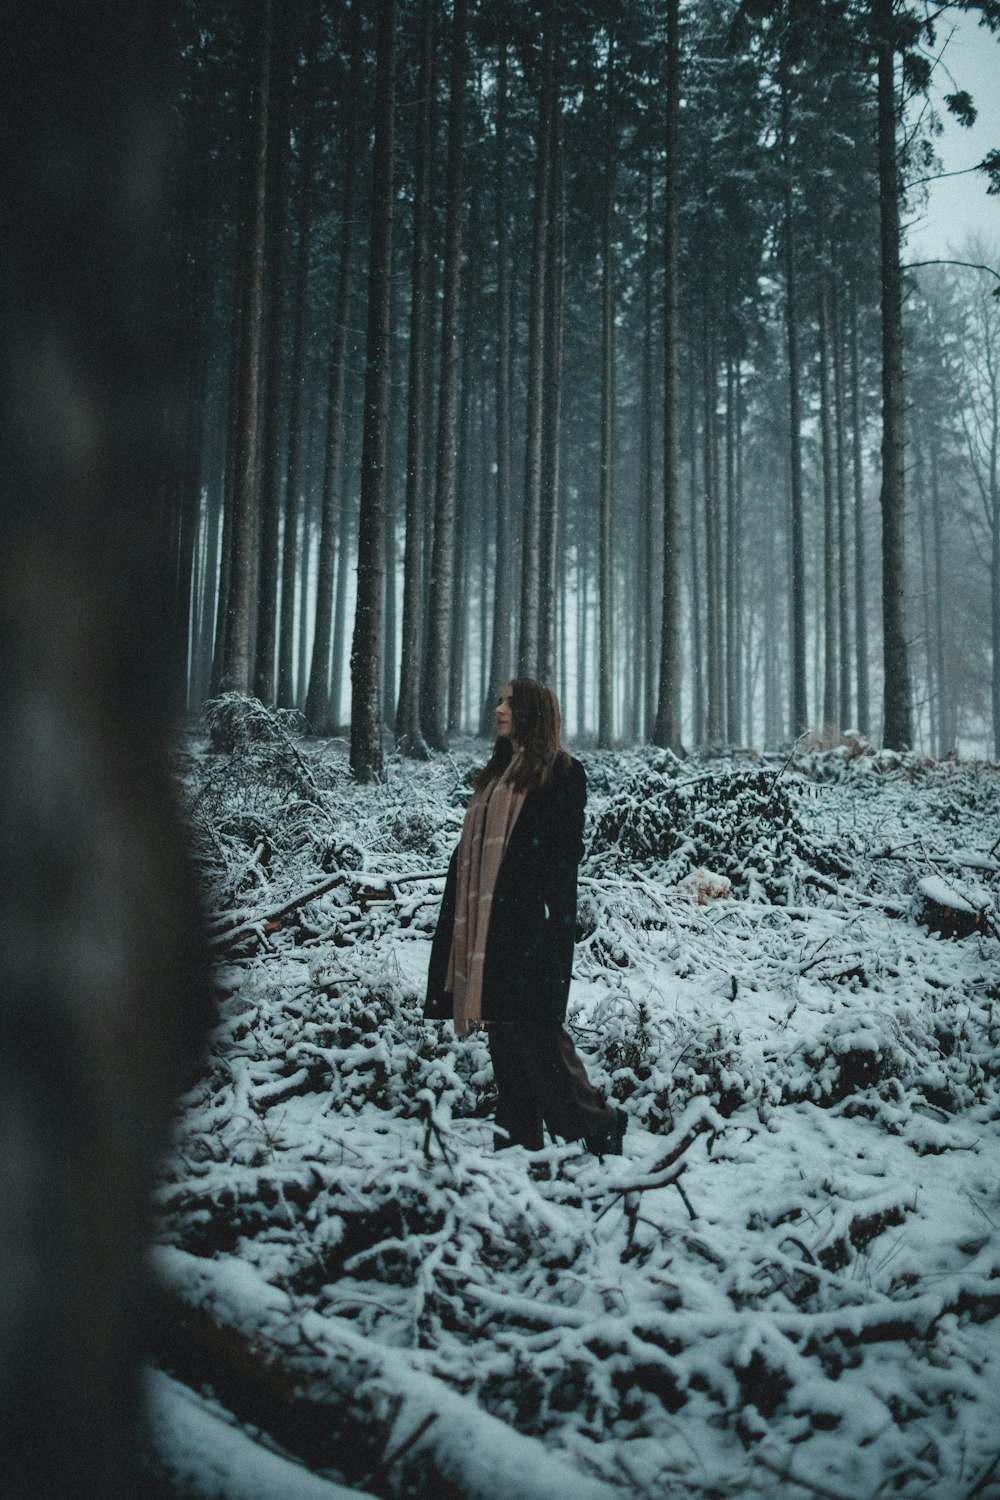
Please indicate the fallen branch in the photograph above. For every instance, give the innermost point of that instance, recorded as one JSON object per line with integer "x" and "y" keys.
{"x": 245, "y": 927}
{"x": 244, "y": 924}
{"x": 784, "y": 1471}
{"x": 337, "y": 1400}
{"x": 196, "y": 1448}
{"x": 891, "y": 908}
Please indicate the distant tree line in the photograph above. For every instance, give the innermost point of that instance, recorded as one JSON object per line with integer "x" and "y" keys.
{"x": 573, "y": 340}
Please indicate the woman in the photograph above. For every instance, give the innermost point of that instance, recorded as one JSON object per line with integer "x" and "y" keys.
{"x": 503, "y": 949}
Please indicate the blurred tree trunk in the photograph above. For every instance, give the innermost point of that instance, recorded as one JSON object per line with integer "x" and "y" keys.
{"x": 897, "y": 730}
{"x": 238, "y": 664}
{"x": 434, "y": 690}
{"x": 408, "y": 732}
{"x": 366, "y": 698}
{"x": 317, "y": 705}
{"x": 103, "y": 996}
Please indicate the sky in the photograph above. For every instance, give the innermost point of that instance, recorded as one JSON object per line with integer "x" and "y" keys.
{"x": 958, "y": 207}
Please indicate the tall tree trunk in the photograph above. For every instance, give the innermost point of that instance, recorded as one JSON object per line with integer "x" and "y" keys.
{"x": 897, "y": 730}
{"x": 483, "y": 518}
{"x": 317, "y": 705}
{"x": 193, "y": 296}
{"x": 733, "y": 671}
{"x": 273, "y": 473}
{"x": 797, "y": 622}
{"x": 840, "y": 447}
{"x": 209, "y": 601}
{"x": 237, "y": 671}
{"x": 667, "y": 728}
{"x": 458, "y": 647}
{"x": 772, "y": 693}
{"x": 528, "y": 643}
{"x": 502, "y": 579}
{"x": 697, "y": 576}
{"x": 408, "y": 732}
{"x": 944, "y": 741}
{"x": 830, "y": 608}
{"x": 434, "y": 696}
{"x": 931, "y": 686}
{"x": 366, "y": 698}
{"x": 552, "y": 399}
{"x": 217, "y": 683}
{"x": 605, "y": 704}
{"x": 345, "y": 531}
{"x": 389, "y": 631}
{"x": 292, "y": 572}
{"x": 582, "y": 604}
{"x": 649, "y": 549}
{"x": 863, "y": 716}
{"x": 713, "y": 550}
{"x": 994, "y": 514}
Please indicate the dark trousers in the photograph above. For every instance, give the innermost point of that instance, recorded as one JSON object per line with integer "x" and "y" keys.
{"x": 539, "y": 1077}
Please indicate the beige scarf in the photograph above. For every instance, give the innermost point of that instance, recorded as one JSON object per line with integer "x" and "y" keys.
{"x": 489, "y": 819}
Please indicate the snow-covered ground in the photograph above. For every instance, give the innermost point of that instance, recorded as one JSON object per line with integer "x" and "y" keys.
{"x": 790, "y": 1281}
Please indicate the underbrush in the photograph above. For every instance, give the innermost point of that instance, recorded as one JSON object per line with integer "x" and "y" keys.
{"x": 790, "y": 1279}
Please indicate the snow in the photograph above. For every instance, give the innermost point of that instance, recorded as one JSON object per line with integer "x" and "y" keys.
{"x": 959, "y": 895}
{"x": 790, "y": 1279}
{"x": 202, "y": 1450}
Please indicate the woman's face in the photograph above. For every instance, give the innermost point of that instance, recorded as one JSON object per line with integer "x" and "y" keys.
{"x": 504, "y": 714}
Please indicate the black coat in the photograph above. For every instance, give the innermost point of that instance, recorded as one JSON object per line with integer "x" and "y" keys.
{"x": 529, "y": 945}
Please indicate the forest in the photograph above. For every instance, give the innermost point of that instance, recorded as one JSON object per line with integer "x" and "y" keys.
{"x": 356, "y": 359}
{"x": 578, "y": 341}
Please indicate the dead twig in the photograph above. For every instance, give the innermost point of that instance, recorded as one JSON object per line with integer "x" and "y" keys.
{"x": 431, "y": 1127}
{"x": 784, "y": 1471}
{"x": 700, "y": 1119}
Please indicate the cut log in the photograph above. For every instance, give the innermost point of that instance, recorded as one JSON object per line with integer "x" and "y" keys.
{"x": 955, "y": 908}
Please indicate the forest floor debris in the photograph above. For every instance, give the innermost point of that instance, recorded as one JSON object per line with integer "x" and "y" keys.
{"x": 790, "y": 1283}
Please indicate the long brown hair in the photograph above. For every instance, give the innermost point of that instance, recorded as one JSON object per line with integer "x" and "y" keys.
{"x": 537, "y": 727}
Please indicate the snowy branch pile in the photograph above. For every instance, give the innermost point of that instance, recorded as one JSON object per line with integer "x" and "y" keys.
{"x": 789, "y": 1283}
